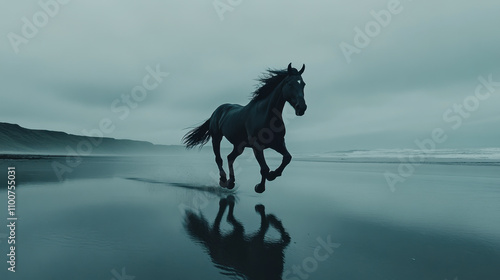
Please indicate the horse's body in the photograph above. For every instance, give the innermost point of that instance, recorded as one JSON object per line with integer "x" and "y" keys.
{"x": 258, "y": 125}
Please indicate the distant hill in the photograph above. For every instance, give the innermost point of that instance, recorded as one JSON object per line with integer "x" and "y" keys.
{"x": 15, "y": 139}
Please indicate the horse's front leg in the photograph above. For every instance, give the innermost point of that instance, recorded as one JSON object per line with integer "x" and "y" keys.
{"x": 287, "y": 158}
{"x": 264, "y": 169}
{"x": 264, "y": 223}
{"x": 285, "y": 237}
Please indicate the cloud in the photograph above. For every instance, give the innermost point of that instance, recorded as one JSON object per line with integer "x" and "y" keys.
{"x": 92, "y": 52}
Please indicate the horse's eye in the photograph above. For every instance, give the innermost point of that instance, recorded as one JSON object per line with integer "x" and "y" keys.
{"x": 298, "y": 81}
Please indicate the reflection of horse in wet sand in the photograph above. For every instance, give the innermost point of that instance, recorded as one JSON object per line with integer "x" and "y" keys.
{"x": 236, "y": 254}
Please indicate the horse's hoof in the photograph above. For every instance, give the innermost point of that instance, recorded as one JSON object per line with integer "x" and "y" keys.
{"x": 260, "y": 188}
{"x": 230, "y": 185}
{"x": 223, "y": 182}
{"x": 259, "y": 208}
{"x": 272, "y": 175}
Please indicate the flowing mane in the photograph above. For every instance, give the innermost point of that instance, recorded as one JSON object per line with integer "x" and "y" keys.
{"x": 268, "y": 82}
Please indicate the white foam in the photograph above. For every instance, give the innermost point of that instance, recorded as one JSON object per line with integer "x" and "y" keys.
{"x": 452, "y": 154}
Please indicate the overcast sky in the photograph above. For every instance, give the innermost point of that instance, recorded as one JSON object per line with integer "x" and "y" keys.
{"x": 395, "y": 89}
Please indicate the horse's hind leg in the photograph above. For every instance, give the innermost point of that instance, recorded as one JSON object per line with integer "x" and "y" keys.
{"x": 218, "y": 159}
{"x": 238, "y": 229}
{"x": 230, "y": 159}
{"x": 222, "y": 208}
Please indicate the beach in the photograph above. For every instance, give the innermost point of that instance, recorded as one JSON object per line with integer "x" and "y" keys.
{"x": 165, "y": 217}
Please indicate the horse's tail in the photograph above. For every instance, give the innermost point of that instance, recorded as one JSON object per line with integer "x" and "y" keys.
{"x": 197, "y": 136}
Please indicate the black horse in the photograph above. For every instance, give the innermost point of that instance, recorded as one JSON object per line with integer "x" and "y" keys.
{"x": 236, "y": 254}
{"x": 258, "y": 125}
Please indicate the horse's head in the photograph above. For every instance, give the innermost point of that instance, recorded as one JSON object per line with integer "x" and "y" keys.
{"x": 293, "y": 89}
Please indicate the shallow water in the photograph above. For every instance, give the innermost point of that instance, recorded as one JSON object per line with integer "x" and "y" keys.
{"x": 157, "y": 217}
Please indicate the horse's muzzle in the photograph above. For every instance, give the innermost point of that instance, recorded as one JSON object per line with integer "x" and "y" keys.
{"x": 300, "y": 110}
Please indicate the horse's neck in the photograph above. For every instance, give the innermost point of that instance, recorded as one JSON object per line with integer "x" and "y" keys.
{"x": 276, "y": 102}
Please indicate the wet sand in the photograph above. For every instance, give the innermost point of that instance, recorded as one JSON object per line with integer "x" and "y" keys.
{"x": 165, "y": 218}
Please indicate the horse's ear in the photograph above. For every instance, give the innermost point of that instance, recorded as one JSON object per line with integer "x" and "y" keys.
{"x": 290, "y": 68}
{"x": 302, "y": 69}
